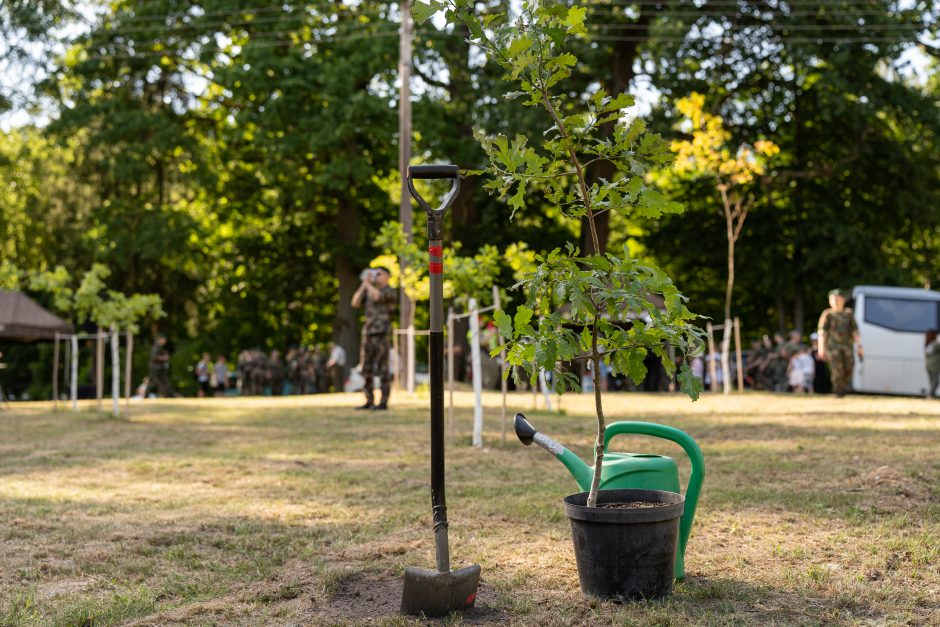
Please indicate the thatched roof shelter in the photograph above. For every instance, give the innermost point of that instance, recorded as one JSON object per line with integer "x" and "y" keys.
{"x": 24, "y": 320}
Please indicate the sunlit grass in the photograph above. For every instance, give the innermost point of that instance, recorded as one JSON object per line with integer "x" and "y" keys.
{"x": 261, "y": 511}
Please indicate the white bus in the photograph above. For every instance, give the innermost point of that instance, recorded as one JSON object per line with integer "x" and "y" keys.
{"x": 892, "y": 322}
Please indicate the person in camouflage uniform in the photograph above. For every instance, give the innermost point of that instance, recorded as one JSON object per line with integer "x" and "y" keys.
{"x": 379, "y": 301}
{"x": 298, "y": 376}
{"x": 159, "y": 374}
{"x": 777, "y": 368}
{"x": 253, "y": 372}
{"x": 837, "y": 334}
{"x": 275, "y": 373}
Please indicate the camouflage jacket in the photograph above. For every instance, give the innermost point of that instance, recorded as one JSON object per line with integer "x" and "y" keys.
{"x": 379, "y": 311}
{"x": 839, "y": 328}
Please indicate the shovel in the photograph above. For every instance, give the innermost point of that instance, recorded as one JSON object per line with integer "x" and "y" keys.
{"x": 438, "y": 592}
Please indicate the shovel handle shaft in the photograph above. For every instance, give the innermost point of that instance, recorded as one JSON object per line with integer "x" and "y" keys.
{"x": 438, "y": 501}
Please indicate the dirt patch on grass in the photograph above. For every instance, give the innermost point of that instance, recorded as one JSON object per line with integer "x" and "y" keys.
{"x": 887, "y": 488}
{"x": 362, "y": 598}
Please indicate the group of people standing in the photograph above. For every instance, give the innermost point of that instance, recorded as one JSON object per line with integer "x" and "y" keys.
{"x": 824, "y": 365}
{"x": 305, "y": 371}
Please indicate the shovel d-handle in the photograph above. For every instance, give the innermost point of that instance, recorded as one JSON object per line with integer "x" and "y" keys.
{"x": 694, "y": 487}
{"x": 435, "y": 216}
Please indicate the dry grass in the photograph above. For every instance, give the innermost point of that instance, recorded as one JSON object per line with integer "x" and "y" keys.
{"x": 302, "y": 511}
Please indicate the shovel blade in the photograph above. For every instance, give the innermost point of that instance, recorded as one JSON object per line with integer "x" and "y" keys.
{"x": 437, "y": 594}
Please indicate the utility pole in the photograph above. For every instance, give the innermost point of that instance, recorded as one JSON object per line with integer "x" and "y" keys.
{"x": 404, "y": 157}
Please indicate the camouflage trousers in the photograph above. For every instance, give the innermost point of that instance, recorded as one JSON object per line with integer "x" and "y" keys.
{"x": 375, "y": 364}
{"x": 841, "y": 362}
{"x": 160, "y": 381}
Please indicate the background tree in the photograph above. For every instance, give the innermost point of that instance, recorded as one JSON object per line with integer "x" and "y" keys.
{"x": 828, "y": 83}
{"x": 731, "y": 170}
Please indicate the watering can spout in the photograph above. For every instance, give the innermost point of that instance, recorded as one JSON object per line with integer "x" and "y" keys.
{"x": 524, "y": 430}
{"x": 527, "y": 434}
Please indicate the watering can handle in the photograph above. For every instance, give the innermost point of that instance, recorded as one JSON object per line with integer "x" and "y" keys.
{"x": 696, "y": 459}
{"x": 672, "y": 434}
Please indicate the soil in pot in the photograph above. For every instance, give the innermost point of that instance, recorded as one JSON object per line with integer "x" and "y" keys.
{"x": 626, "y": 547}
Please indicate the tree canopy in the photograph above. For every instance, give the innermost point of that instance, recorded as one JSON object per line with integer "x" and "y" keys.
{"x": 238, "y": 159}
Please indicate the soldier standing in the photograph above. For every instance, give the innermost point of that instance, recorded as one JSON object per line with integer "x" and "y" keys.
{"x": 276, "y": 373}
{"x": 379, "y": 300}
{"x": 160, "y": 368}
{"x": 837, "y": 335}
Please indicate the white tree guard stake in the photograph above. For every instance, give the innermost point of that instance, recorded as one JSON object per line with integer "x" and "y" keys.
{"x": 128, "y": 373}
{"x": 503, "y": 384}
{"x": 73, "y": 392}
{"x": 450, "y": 373}
{"x": 726, "y": 356}
{"x": 543, "y": 385}
{"x": 739, "y": 364}
{"x": 55, "y": 373}
{"x": 477, "y": 374}
{"x": 99, "y": 367}
{"x": 115, "y": 371}
{"x": 410, "y": 339}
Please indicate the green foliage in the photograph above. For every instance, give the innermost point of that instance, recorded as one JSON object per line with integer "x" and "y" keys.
{"x": 570, "y": 295}
{"x": 91, "y": 300}
{"x": 465, "y": 277}
{"x": 56, "y": 283}
{"x": 577, "y": 301}
{"x": 239, "y": 161}
{"x": 850, "y": 198}
{"x": 10, "y": 275}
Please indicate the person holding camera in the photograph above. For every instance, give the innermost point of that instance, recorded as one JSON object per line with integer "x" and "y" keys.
{"x": 378, "y": 299}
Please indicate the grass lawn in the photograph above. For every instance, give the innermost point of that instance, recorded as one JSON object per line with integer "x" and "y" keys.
{"x": 303, "y": 511}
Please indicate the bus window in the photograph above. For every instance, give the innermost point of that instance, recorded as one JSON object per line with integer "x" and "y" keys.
{"x": 912, "y": 316}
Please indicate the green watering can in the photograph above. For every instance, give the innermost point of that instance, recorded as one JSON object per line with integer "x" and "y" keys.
{"x": 633, "y": 470}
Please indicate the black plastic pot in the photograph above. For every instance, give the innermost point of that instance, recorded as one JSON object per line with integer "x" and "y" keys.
{"x": 626, "y": 554}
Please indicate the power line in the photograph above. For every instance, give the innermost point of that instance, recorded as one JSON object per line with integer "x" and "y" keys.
{"x": 287, "y": 9}
{"x": 775, "y": 27}
{"x": 781, "y": 4}
{"x": 217, "y": 25}
{"x": 262, "y": 42}
{"x": 781, "y": 40}
{"x": 757, "y": 13}
{"x": 220, "y": 25}
{"x": 594, "y": 36}
{"x": 834, "y": 32}
{"x": 334, "y": 30}
{"x": 264, "y": 39}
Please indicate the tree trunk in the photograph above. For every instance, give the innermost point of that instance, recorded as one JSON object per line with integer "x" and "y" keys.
{"x": 799, "y": 313}
{"x": 464, "y": 215}
{"x": 602, "y": 225}
{"x": 601, "y": 426}
{"x": 726, "y": 331}
{"x": 346, "y": 322}
{"x": 781, "y": 313}
{"x": 622, "y": 58}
